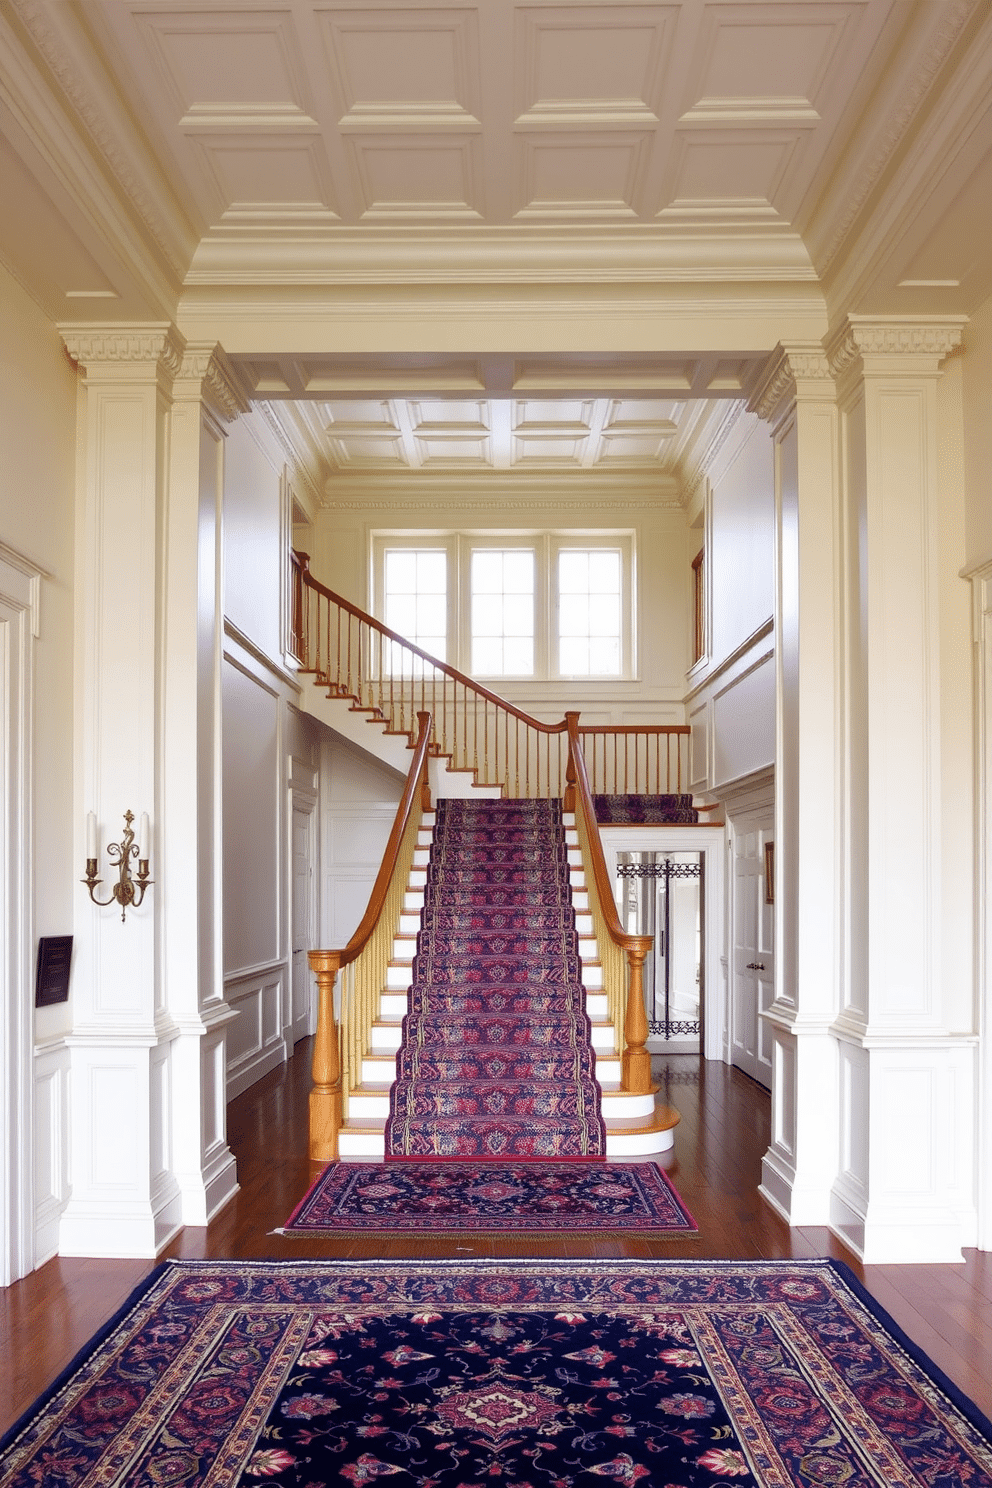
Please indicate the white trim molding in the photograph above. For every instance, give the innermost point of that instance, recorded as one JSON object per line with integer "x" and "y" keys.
{"x": 20, "y": 581}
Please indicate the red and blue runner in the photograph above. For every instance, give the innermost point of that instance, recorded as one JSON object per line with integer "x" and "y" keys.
{"x": 496, "y": 1061}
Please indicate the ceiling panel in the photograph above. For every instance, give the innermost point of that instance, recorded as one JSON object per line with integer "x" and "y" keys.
{"x": 389, "y": 63}
{"x": 587, "y": 64}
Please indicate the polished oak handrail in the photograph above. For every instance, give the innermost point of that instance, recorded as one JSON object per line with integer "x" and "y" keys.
{"x": 636, "y": 1061}
{"x": 326, "y": 1093}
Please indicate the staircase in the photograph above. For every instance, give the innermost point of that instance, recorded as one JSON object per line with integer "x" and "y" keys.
{"x": 635, "y": 1125}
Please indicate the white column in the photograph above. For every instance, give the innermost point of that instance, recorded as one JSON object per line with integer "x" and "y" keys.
{"x": 905, "y": 1188}
{"x": 125, "y": 1200}
{"x": 205, "y": 395}
{"x": 797, "y": 396}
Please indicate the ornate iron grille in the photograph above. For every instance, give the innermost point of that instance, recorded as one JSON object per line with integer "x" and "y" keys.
{"x": 667, "y": 1027}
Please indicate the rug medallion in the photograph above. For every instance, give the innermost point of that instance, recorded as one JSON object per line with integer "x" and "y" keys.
{"x": 534, "y": 1374}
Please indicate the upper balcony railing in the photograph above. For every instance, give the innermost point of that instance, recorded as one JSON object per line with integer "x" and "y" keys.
{"x": 358, "y": 658}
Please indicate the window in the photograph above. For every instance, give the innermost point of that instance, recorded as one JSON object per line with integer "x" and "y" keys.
{"x": 699, "y": 606}
{"x": 416, "y": 597}
{"x": 502, "y": 598}
{"x": 511, "y": 604}
{"x": 589, "y": 631}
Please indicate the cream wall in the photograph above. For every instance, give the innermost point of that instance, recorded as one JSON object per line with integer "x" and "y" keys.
{"x": 742, "y": 538}
{"x": 37, "y": 496}
{"x": 254, "y": 523}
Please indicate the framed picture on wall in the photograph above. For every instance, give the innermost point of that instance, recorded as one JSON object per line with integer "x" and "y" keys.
{"x": 769, "y": 873}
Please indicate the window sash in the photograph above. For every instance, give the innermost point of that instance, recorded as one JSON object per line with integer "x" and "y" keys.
{"x": 548, "y": 547}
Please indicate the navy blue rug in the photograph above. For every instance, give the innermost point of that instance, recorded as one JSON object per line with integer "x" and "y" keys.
{"x": 454, "y": 1196}
{"x": 442, "y": 1374}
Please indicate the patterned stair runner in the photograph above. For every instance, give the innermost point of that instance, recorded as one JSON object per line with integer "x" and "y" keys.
{"x": 496, "y": 1060}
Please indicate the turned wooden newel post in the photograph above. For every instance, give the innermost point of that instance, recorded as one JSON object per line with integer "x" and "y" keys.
{"x": 325, "y": 1097}
{"x": 636, "y": 1064}
{"x": 425, "y": 781}
{"x": 568, "y": 801}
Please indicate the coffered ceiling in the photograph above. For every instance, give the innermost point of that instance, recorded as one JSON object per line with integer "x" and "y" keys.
{"x": 169, "y": 158}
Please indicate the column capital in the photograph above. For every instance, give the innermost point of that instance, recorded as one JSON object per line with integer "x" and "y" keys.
{"x": 122, "y": 345}
{"x": 792, "y": 372}
{"x": 207, "y": 373}
{"x": 894, "y": 343}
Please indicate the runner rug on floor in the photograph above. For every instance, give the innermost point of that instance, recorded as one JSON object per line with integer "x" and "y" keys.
{"x": 496, "y": 1061}
{"x": 494, "y": 1196}
{"x": 444, "y": 1373}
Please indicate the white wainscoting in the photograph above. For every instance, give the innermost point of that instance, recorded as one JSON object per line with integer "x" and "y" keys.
{"x": 917, "y": 1201}
{"x": 731, "y": 712}
{"x": 255, "y": 1038}
{"x": 51, "y": 1146}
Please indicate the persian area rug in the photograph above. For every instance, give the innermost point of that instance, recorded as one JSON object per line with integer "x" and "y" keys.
{"x": 496, "y": 1061}
{"x": 493, "y": 1196}
{"x": 643, "y": 810}
{"x": 442, "y": 1374}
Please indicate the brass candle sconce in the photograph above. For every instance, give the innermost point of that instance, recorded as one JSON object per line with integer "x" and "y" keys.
{"x": 127, "y": 890}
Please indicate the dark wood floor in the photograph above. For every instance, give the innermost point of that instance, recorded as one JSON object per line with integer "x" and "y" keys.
{"x": 716, "y": 1163}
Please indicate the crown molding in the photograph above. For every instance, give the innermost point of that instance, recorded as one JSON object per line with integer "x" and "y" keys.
{"x": 791, "y": 372}
{"x": 953, "y": 16}
{"x": 80, "y": 80}
{"x": 126, "y": 344}
{"x": 519, "y": 504}
{"x": 220, "y": 384}
{"x": 927, "y": 340}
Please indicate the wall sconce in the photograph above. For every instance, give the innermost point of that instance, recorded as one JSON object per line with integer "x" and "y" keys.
{"x": 127, "y": 890}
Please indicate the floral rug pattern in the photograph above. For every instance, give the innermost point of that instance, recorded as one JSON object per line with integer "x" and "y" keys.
{"x": 533, "y": 1374}
{"x": 496, "y": 973}
{"x": 528, "y": 1196}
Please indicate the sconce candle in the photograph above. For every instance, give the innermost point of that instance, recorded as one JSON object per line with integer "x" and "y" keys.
{"x": 144, "y": 838}
{"x": 127, "y": 890}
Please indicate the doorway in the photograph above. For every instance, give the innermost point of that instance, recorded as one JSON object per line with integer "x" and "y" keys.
{"x": 661, "y": 894}
{"x": 752, "y": 963}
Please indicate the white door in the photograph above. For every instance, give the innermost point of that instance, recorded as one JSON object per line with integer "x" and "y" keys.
{"x": 753, "y": 960}
{"x": 302, "y": 918}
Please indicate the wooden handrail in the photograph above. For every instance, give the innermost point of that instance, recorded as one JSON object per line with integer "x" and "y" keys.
{"x": 636, "y": 1061}
{"x": 326, "y": 1094}
{"x": 441, "y": 666}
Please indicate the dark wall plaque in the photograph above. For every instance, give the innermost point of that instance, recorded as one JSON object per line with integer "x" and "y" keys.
{"x": 52, "y": 982}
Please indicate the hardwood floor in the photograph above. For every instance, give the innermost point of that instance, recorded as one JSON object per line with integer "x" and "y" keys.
{"x": 947, "y": 1310}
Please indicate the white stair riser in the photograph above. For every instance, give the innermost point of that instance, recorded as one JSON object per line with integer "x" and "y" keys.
{"x": 385, "y": 1036}
{"x": 625, "y": 1105}
{"x": 367, "y": 1107}
{"x": 380, "y": 1071}
{"x": 361, "y": 1146}
{"x": 638, "y": 1144}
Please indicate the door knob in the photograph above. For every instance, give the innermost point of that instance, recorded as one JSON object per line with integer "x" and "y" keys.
{"x": 755, "y": 966}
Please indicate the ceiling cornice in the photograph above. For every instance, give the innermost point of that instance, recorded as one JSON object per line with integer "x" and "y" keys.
{"x": 70, "y": 62}
{"x": 952, "y": 17}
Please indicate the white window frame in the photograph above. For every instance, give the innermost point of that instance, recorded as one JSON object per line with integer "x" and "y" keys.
{"x": 546, "y": 545}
